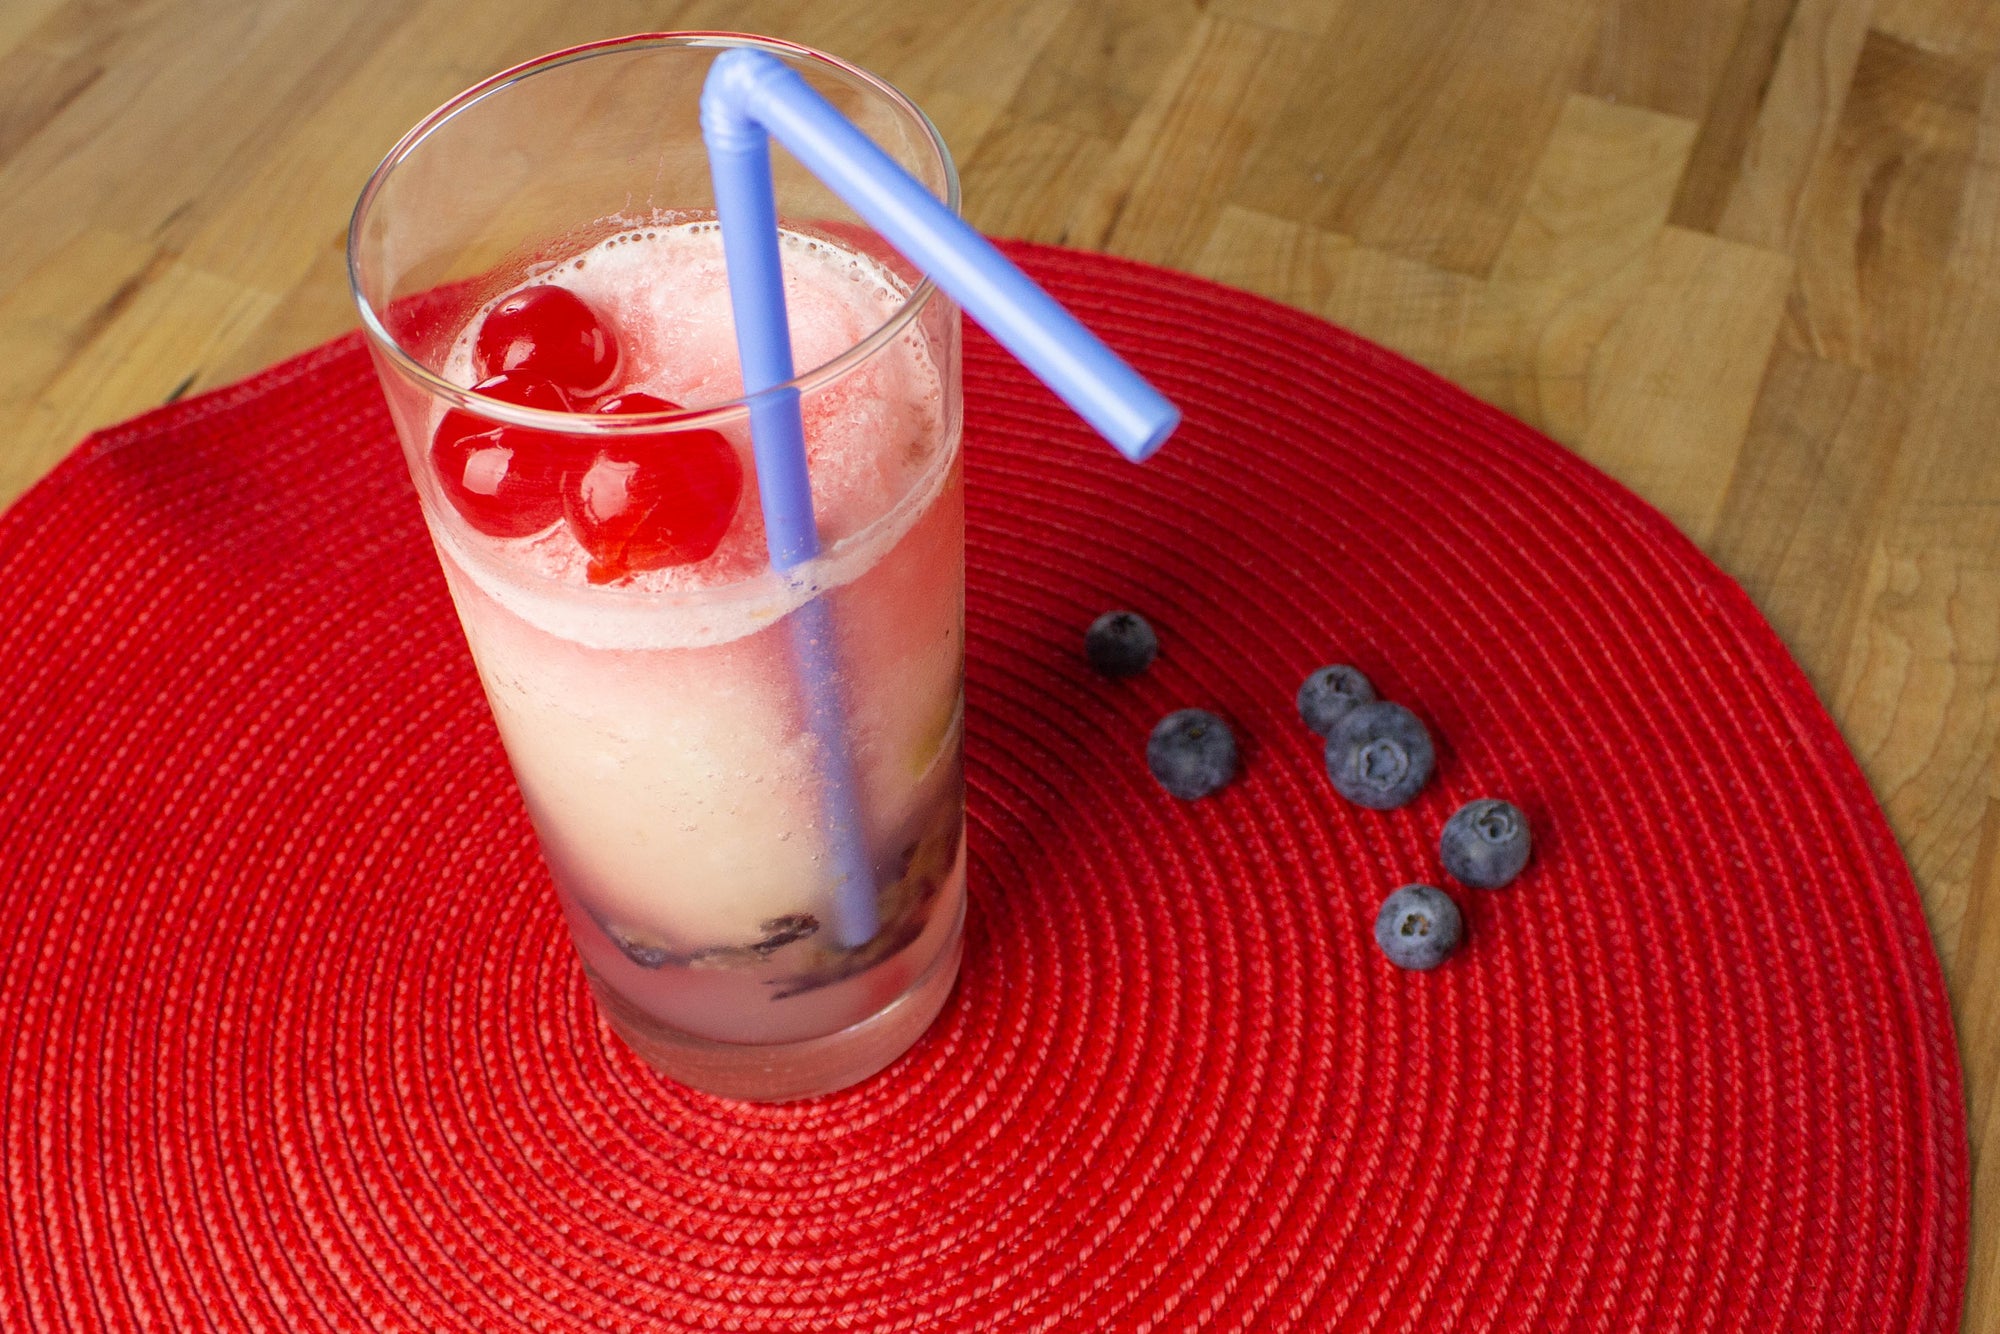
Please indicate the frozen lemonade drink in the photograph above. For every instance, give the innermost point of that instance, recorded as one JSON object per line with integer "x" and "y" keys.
{"x": 543, "y": 281}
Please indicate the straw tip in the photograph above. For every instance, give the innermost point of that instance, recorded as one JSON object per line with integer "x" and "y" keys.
{"x": 1152, "y": 435}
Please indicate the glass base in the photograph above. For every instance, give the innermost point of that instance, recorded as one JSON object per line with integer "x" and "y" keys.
{"x": 787, "y": 1071}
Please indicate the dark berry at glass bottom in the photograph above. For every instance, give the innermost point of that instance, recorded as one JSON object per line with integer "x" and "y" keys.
{"x": 697, "y": 1012}
{"x": 678, "y": 797}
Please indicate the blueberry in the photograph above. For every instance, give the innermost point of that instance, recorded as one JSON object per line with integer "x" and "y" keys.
{"x": 1418, "y": 927}
{"x": 782, "y": 931}
{"x": 637, "y": 949}
{"x": 1192, "y": 753}
{"x": 1120, "y": 643}
{"x": 1379, "y": 755}
{"x": 1485, "y": 844}
{"x": 1330, "y": 693}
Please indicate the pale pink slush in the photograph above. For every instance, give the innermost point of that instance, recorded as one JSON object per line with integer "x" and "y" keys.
{"x": 655, "y": 723}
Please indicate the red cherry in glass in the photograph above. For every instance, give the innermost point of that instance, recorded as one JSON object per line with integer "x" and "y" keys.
{"x": 505, "y": 480}
{"x": 654, "y": 500}
{"x": 551, "y": 332}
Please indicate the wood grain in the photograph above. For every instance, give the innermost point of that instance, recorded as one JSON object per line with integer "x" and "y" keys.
{"x": 1745, "y": 254}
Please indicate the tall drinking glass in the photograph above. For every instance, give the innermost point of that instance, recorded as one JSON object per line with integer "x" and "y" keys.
{"x": 582, "y": 458}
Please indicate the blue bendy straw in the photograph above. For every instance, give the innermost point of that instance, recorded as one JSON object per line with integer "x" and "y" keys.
{"x": 751, "y": 97}
{"x": 750, "y": 94}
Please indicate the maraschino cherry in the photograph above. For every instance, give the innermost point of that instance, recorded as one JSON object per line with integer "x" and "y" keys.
{"x": 551, "y": 332}
{"x": 652, "y": 501}
{"x": 505, "y": 480}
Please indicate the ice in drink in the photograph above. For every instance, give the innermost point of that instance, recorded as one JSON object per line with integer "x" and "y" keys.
{"x": 647, "y": 688}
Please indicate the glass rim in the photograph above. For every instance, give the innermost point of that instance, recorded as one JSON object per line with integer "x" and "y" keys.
{"x": 592, "y": 423}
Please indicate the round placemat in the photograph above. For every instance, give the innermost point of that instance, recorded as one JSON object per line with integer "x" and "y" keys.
{"x": 295, "y": 1040}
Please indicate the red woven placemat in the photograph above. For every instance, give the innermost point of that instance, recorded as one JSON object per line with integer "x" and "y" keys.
{"x": 294, "y": 1038}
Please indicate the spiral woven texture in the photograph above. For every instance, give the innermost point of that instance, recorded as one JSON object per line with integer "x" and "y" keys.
{"x": 294, "y": 1038}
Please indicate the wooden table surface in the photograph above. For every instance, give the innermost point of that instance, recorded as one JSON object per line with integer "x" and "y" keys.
{"x": 1743, "y": 254}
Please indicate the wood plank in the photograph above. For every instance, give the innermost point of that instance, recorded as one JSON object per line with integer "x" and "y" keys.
{"x": 1158, "y": 196}
{"x": 1922, "y": 679}
{"x": 1430, "y": 315}
{"x": 1674, "y": 384}
{"x": 38, "y": 79}
{"x": 20, "y": 18}
{"x": 1097, "y": 69}
{"x": 313, "y": 310}
{"x": 1795, "y": 121}
{"x": 1731, "y": 115}
{"x": 137, "y": 150}
{"x": 1972, "y": 977}
{"x": 1967, "y": 30}
{"x": 1273, "y": 257}
{"x": 1578, "y": 253}
{"x": 1419, "y": 137}
{"x": 1820, "y": 450}
{"x": 268, "y": 229}
{"x": 1308, "y": 18}
{"x": 1975, "y": 250}
{"x": 794, "y": 20}
{"x": 998, "y": 182}
{"x": 1576, "y": 259}
{"x": 963, "y": 74}
{"x": 52, "y": 311}
{"x": 1917, "y": 693}
{"x": 1975, "y": 985}
{"x": 1880, "y": 213}
{"x": 1668, "y": 58}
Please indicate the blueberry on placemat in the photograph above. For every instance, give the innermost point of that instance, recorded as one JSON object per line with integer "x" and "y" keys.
{"x": 1330, "y": 694}
{"x": 1379, "y": 755}
{"x": 1485, "y": 844}
{"x": 1192, "y": 752}
{"x": 1120, "y": 643}
{"x": 1418, "y": 927}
